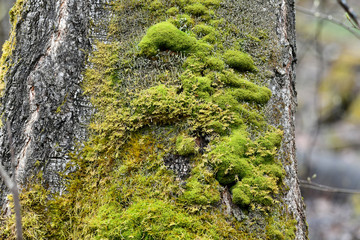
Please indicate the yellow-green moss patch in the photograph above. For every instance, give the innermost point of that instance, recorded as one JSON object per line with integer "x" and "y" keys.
{"x": 177, "y": 97}
{"x": 165, "y": 36}
{"x": 185, "y": 145}
{"x": 239, "y": 60}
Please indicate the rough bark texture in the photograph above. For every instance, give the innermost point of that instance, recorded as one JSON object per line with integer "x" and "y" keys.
{"x": 284, "y": 99}
{"x": 279, "y": 18}
{"x": 43, "y": 99}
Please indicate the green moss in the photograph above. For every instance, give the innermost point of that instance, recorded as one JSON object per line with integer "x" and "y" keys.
{"x": 15, "y": 11}
{"x": 229, "y": 156}
{"x": 156, "y": 5}
{"x": 160, "y": 104}
{"x": 225, "y": 100}
{"x": 261, "y": 97}
{"x": 271, "y": 141}
{"x": 190, "y": 100}
{"x": 183, "y": 22}
{"x": 213, "y": 3}
{"x": 239, "y": 61}
{"x": 196, "y": 9}
{"x": 185, "y": 145}
{"x": 165, "y": 36}
{"x": 147, "y": 219}
{"x": 201, "y": 189}
{"x": 215, "y": 64}
{"x": 203, "y": 30}
{"x": 241, "y": 195}
{"x": 245, "y": 90}
{"x": 208, "y": 3}
{"x": 195, "y": 65}
{"x": 232, "y": 168}
{"x": 280, "y": 228}
{"x": 254, "y": 182}
{"x": 199, "y": 86}
{"x": 211, "y": 38}
{"x": 9, "y": 45}
{"x": 172, "y": 11}
{"x": 202, "y": 48}
{"x": 257, "y": 188}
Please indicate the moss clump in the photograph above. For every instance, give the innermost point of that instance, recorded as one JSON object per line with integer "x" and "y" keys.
{"x": 185, "y": 145}
{"x": 147, "y": 219}
{"x": 255, "y": 190}
{"x": 208, "y": 3}
{"x": 202, "y": 48}
{"x": 207, "y": 33}
{"x": 200, "y": 86}
{"x": 165, "y": 36}
{"x": 155, "y": 5}
{"x": 184, "y": 100}
{"x": 215, "y": 63}
{"x": 172, "y": 11}
{"x": 239, "y": 61}
{"x": 9, "y": 45}
{"x": 203, "y": 29}
{"x": 160, "y": 104}
{"x": 241, "y": 195}
{"x": 213, "y": 3}
{"x": 196, "y": 9}
{"x": 183, "y": 22}
{"x": 245, "y": 90}
{"x": 201, "y": 188}
{"x": 195, "y": 65}
{"x": 230, "y": 159}
{"x": 242, "y": 163}
{"x": 279, "y": 231}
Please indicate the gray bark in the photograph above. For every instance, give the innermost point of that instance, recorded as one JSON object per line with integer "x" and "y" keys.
{"x": 48, "y": 113}
{"x": 284, "y": 99}
{"x": 43, "y": 99}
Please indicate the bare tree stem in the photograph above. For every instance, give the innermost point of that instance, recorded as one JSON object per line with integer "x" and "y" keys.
{"x": 328, "y": 18}
{"x": 12, "y": 185}
{"x": 325, "y": 188}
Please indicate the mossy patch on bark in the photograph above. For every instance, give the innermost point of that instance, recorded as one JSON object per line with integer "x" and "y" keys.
{"x": 172, "y": 79}
{"x": 9, "y": 45}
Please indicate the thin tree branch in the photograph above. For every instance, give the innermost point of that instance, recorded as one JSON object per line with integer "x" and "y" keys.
{"x": 11, "y": 184}
{"x": 328, "y": 18}
{"x": 349, "y": 11}
{"x": 15, "y": 190}
{"x": 324, "y": 188}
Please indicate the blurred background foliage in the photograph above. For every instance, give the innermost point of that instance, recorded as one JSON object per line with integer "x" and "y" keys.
{"x": 328, "y": 116}
{"x": 5, "y": 5}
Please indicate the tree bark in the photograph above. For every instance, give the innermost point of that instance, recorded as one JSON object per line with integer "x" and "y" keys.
{"x": 49, "y": 114}
{"x": 45, "y": 75}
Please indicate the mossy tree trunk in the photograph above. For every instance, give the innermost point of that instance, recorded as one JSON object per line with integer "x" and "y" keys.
{"x": 185, "y": 104}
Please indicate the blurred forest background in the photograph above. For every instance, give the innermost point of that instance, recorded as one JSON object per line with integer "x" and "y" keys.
{"x": 5, "y": 5}
{"x": 328, "y": 116}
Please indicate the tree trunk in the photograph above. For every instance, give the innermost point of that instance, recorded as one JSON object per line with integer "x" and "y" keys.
{"x": 71, "y": 63}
